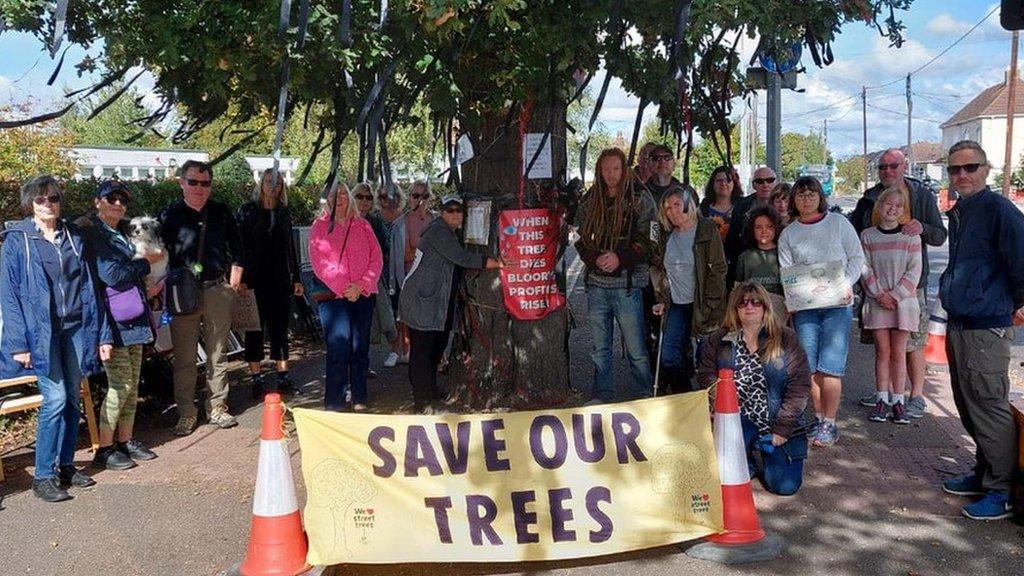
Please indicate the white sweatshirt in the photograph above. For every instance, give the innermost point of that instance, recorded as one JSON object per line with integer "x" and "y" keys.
{"x": 828, "y": 240}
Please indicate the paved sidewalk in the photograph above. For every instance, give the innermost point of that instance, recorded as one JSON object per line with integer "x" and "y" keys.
{"x": 870, "y": 505}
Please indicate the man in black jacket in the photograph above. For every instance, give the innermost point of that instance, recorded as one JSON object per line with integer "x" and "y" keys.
{"x": 926, "y": 222}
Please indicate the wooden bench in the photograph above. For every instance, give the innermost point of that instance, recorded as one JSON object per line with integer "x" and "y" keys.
{"x": 30, "y": 401}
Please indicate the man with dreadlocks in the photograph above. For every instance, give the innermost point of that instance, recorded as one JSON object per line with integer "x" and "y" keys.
{"x": 615, "y": 220}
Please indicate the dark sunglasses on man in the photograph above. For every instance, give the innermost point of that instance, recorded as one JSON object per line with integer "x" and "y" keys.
{"x": 968, "y": 168}
{"x": 764, "y": 180}
{"x": 117, "y": 197}
{"x": 454, "y": 210}
{"x": 203, "y": 183}
{"x": 884, "y": 167}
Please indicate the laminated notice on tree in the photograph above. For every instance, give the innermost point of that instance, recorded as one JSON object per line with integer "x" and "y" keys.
{"x": 529, "y": 246}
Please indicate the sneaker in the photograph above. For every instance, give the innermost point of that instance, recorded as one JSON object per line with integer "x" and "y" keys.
{"x": 221, "y": 418}
{"x": 111, "y": 458}
{"x": 403, "y": 359}
{"x": 428, "y": 411}
{"x": 371, "y": 374}
{"x": 48, "y": 490}
{"x": 969, "y": 485}
{"x": 915, "y": 407}
{"x": 135, "y": 450}
{"x": 391, "y": 361}
{"x": 70, "y": 476}
{"x": 259, "y": 386}
{"x": 359, "y": 408}
{"x": 899, "y": 413}
{"x": 993, "y": 506}
{"x": 869, "y": 400}
{"x": 186, "y": 425}
{"x": 286, "y": 385}
{"x": 828, "y": 435}
{"x": 880, "y": 413}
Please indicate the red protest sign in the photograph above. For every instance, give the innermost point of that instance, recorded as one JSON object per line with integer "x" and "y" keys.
{"x": 528, "y": 242}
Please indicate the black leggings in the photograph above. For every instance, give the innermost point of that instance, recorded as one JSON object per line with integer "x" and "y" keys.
{"x": 426, "y": 347}
{"x": 275, "y": 306}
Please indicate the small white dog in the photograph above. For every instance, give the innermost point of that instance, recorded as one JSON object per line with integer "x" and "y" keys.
{"x": 144, "y": 232}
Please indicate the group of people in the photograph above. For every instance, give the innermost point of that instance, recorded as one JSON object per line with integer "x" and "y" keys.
{"x": 695, "y": 285}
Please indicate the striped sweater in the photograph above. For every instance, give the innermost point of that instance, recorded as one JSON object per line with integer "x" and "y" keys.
{"x": 892, "y": 265}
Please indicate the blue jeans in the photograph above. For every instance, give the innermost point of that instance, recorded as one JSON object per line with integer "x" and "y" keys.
{"x": 676, "y": 349}
{"x": 824, "y": 334}
{"x": 782, "y": 471}
{"x": 604, "y": 307}
{"x": 57, "y": 432}
{"x": 347, "y": 334}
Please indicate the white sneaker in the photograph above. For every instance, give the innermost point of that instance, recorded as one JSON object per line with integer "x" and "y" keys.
{"x": 403, "y": 359}
{"x": 391, "y": 360}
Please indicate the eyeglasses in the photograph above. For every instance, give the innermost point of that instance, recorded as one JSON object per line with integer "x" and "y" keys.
{"x": 419, "y": 196}
{"x": 203, "y": 183}
{"x": 968, "y": 168}
{"x": 52, "y": 199}
{"x": 723, "y": 180}
{"x": 884, "y": 167}
{"x": 454, "y": 210}
{"x": 748, "y": 302}
{"x": 117, "y": 198}
{"x": 764, "y": 180}
{"x": 364, "y": 197}
{"x": 661, "y": 158}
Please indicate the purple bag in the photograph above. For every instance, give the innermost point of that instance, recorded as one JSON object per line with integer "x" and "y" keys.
{"x": 125, "y": 305}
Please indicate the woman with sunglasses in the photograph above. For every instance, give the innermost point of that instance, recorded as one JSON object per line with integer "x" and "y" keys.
{"x": 688, "y": 273}
{"x": 772, "y": 380}
{"x": 406, "y": 232}
{"x": 121, "y": 279}
{"x": 817, "y": 237}
{"x": 273, "y": 275}
{"x": 722, "y": 191}
{"x": 346, "y": 257}
{"x": 427, "y": 302}
{"x": 54, "y": 327}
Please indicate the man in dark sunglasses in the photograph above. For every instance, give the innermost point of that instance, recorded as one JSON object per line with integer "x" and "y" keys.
{"x": 764, "y": 181}
{"x": 982, "y": 290}
{"x": 662, "y": 165}
{"x": 922, "y": 219}
{"x": 202, "y": 235}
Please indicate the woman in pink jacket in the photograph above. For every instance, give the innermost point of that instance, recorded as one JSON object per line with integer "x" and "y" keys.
{"x": 347, "y": 259}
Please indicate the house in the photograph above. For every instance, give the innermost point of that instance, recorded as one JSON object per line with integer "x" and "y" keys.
{"x": 158, "y": 164}
{"x": 983, "y": 120}
{"x": 927, "y": 160}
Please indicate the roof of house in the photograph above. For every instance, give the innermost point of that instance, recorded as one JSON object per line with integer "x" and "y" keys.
{"x": 991, "y": 102}
{"x": 924, "y": 153}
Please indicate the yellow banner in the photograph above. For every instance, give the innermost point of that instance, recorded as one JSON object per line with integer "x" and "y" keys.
{"x": 510, "y": 487}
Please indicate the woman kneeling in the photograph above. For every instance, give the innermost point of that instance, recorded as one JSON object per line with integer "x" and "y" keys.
{"x": 773, "y": 382}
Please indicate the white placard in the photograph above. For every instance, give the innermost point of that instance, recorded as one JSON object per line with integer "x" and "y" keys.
{"x": 811, "y": 286}
{"x": 542, "y": 165}
{"x": 463, "y": 149}
{"x": 478, "y": 222}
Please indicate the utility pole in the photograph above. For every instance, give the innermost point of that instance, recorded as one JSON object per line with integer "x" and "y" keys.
{"x": 1011, "y": 107}
{"x": 824, "y": 139}
{"x": 774, "y": 122}
{"x": 864, "y": 125}
{"x": 910, "y": 142}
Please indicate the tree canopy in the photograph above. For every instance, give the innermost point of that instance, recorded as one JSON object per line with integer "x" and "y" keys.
{"x": 353, "y": 69}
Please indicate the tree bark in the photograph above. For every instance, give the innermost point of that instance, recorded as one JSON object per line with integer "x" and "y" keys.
{"x": 498, "y": 361}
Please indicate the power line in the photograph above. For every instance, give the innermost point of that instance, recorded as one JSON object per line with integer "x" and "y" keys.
{"x": 904, "y": 114}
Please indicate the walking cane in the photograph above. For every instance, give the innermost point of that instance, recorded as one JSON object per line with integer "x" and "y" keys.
{"x": 661, "y": 336}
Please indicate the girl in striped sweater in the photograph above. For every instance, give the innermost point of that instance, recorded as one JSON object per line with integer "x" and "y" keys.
{"x": 892, "y": 269}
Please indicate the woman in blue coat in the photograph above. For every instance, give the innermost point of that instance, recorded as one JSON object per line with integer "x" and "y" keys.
{"x": 121, "y": 283}
{"x": 51, "y": 326}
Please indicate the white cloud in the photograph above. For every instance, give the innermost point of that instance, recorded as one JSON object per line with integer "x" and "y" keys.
{"x": 945, "y": 24}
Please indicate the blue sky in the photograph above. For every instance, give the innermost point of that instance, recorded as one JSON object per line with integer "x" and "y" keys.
{"x": 833, "y": 93}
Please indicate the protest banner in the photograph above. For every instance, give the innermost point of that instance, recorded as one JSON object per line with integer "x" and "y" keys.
{"x": 813, "y": 286}
{"x": 528, "y": 244}
{"x": 508, "y": 487}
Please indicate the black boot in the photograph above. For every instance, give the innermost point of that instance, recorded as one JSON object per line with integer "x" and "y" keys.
{"x": 111, "y": 458}
{"x": 259, "y": 386}
{"x": 49, "y": 490}
{"x": 71, "y": 476}
{"x": 286, "y": 385}
{"x": 135, "y": 450}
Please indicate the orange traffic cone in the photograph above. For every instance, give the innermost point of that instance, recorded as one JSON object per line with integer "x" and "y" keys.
{"x": 743, "y": 540}
{"x": 935, "y": 349}
{"x": 277, "y": 543}
{"x": 741, "y": 523}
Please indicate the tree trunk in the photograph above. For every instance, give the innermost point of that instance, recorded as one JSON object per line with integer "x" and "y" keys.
{"x": 498, "y": 361}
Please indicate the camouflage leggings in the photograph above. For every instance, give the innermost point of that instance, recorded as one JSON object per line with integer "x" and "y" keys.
{"x": 122, "y": 387}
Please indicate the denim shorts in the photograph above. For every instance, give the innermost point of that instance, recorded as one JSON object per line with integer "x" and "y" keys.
{"x": 824, "y": 334}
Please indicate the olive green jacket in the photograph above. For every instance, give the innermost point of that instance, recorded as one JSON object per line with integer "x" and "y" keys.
{"x": 709, "y": 295}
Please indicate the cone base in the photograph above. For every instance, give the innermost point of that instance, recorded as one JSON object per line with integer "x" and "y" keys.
{"x": 739, "y": 516}
{"x": 768, "y": 547}
{"x": 277, "y": 547}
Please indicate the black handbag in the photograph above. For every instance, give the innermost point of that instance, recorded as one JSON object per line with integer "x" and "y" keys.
{"x": 183, "y": 289}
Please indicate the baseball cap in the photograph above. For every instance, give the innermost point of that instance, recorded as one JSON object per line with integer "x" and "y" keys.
{"x": 449, "y": 199}
{"x": 109, "y": 186}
